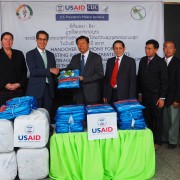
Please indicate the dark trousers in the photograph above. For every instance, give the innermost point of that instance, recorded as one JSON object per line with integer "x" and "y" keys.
{"x": 79, "y": 98}
{"x": 46, "y": 100}
{"x": 154, "y": 118}
{"x": 114, "y": 96}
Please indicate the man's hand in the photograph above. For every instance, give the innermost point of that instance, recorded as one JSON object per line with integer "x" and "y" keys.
{"x": 105, "y": 100}
{"x": 12, "y": 87}
{"x": 80, "y": 78}
{"x": 54, "y": 71}
{"x": 160, "y": 103}
{"x": 140, "y": 97}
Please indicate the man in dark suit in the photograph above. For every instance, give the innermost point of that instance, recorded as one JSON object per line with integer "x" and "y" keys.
{"x": 152, "y": 88}
{"x": 171, "y": 114}
{"x": 120, "y": 76}
{"x": 43, "y": 71}
{"x": 91, "y": 72}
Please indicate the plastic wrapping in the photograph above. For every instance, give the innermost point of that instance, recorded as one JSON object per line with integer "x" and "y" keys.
{"x": 99, "y": 108}
{"x": 12, "y": 111}
{"x": 6, "y": 136}
{"x": 32, "y": 100}
{"x": 70, "y": 119}
{"x": 8, "y": 166}
{"x": 32, "y": 131}
{"x": 130, "y": 114}
{"x": 69, "y": 79}
{"x": 33, "y": 163}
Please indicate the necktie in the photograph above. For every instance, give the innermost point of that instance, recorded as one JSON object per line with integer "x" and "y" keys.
{"x": 82, "y": 63}
{"x": 44, "y": 57}
{"x": 166, "y": 59}
{"x": 114, "y": 73}
{"x": 149, "y": 60}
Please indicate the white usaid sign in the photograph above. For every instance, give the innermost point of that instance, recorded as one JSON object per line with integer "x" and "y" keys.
{"x": 31, "y": 131}
{"x": 102, "y": 126}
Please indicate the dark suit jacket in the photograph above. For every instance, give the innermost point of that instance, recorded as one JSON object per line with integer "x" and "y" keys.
{"x": 152, "y": 78}
{"x": 12, "y": 70}
{"x": 38, "y": 73}
{"x": 93, "y": 72}
{"x": 173, "y": 93}
{"x": 126, "y": 78}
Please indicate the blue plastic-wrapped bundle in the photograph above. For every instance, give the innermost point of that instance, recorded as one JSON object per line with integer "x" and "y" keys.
{"x": 70, "y": 118}
{"x": 32, "y": 100}
{"x": 99, "y": 108}
{"x": 130, "y": 114}
{"x": 12, "y": 111}
{"x": 128, "y": 104}
{"x": 69, "y": 79}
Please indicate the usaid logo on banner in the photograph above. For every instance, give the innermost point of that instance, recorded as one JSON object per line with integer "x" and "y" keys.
{"x": 29, "y": 130}
{"x": 70, "y": 8}
{"x": 102, "y": 129}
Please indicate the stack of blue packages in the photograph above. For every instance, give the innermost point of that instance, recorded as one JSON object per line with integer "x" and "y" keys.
{"x": 12, "y": 111}
{"x": 130, "y": 114}
{"x": 69, "y": 118}
{"x": 32, "y": 100}
{"x": 18, "y": 106}
{"x": 99, "y": 108}
{"x": 69, "y": 79}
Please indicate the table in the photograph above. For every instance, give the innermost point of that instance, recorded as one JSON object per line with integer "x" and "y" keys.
{"x": 130, "y": 156}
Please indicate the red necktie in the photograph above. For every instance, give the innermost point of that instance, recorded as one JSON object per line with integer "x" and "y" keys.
{"x": 114, "y": 73}
{"x": 149, "y": 60}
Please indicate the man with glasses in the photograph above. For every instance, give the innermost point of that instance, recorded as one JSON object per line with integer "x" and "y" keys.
{"x": 43, "y": 71}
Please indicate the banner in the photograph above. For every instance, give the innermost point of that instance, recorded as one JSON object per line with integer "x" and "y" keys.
{"x": 103, "y": 22}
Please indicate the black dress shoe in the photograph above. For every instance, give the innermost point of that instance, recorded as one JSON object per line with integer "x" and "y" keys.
{"x": 171, "y": 146}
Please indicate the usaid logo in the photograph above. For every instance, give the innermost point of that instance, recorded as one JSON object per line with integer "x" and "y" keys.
{"x": 92, "y": 7}
{"x": 29, "y": 129}
{"x": 70, "y": 8}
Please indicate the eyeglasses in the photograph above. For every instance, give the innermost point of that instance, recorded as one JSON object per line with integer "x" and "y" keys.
{"x": 40, "y": 39}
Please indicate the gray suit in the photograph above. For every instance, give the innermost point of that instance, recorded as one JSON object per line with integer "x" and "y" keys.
{"x": 90, "y": 86}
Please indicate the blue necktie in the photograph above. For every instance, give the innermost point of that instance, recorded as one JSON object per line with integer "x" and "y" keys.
{"x": 82, "y": 64}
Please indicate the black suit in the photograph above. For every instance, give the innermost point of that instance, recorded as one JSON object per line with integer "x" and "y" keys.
{"x": 152, "y": 84}
{"x": 171, "y": 115}
{"x": 173, "y": 93}
{"x": 12, "y": 71}
{"x": 89, "y": 92}
{"x": 126, "y": 79}
{"x": 37, "y": 85}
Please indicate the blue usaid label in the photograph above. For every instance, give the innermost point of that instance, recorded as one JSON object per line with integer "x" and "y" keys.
{"x": 30, "y": 134}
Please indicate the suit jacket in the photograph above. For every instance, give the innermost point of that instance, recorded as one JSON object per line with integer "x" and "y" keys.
{"x": 152, "y": 78}
{"x": 173, "y": 93}
{"x": 38, "y": 73}
{"x": 93, "y": 72}
{"x": 12, "y": 70}
{"x": 126, "y": 78}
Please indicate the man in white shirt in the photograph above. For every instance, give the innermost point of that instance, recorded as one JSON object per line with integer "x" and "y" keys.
{"x": 120, "y": 76}
{"x": 171, "y": 113}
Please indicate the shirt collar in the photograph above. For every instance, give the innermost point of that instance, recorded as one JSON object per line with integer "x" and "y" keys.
{"x": 120, "y": 57}
{"x": 40, "y": 50}
{"x": 85, "y": 54}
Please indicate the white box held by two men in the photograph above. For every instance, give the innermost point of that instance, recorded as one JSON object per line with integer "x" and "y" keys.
{"x": 32, "y": 131}
{"x": 102, "y": 126}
